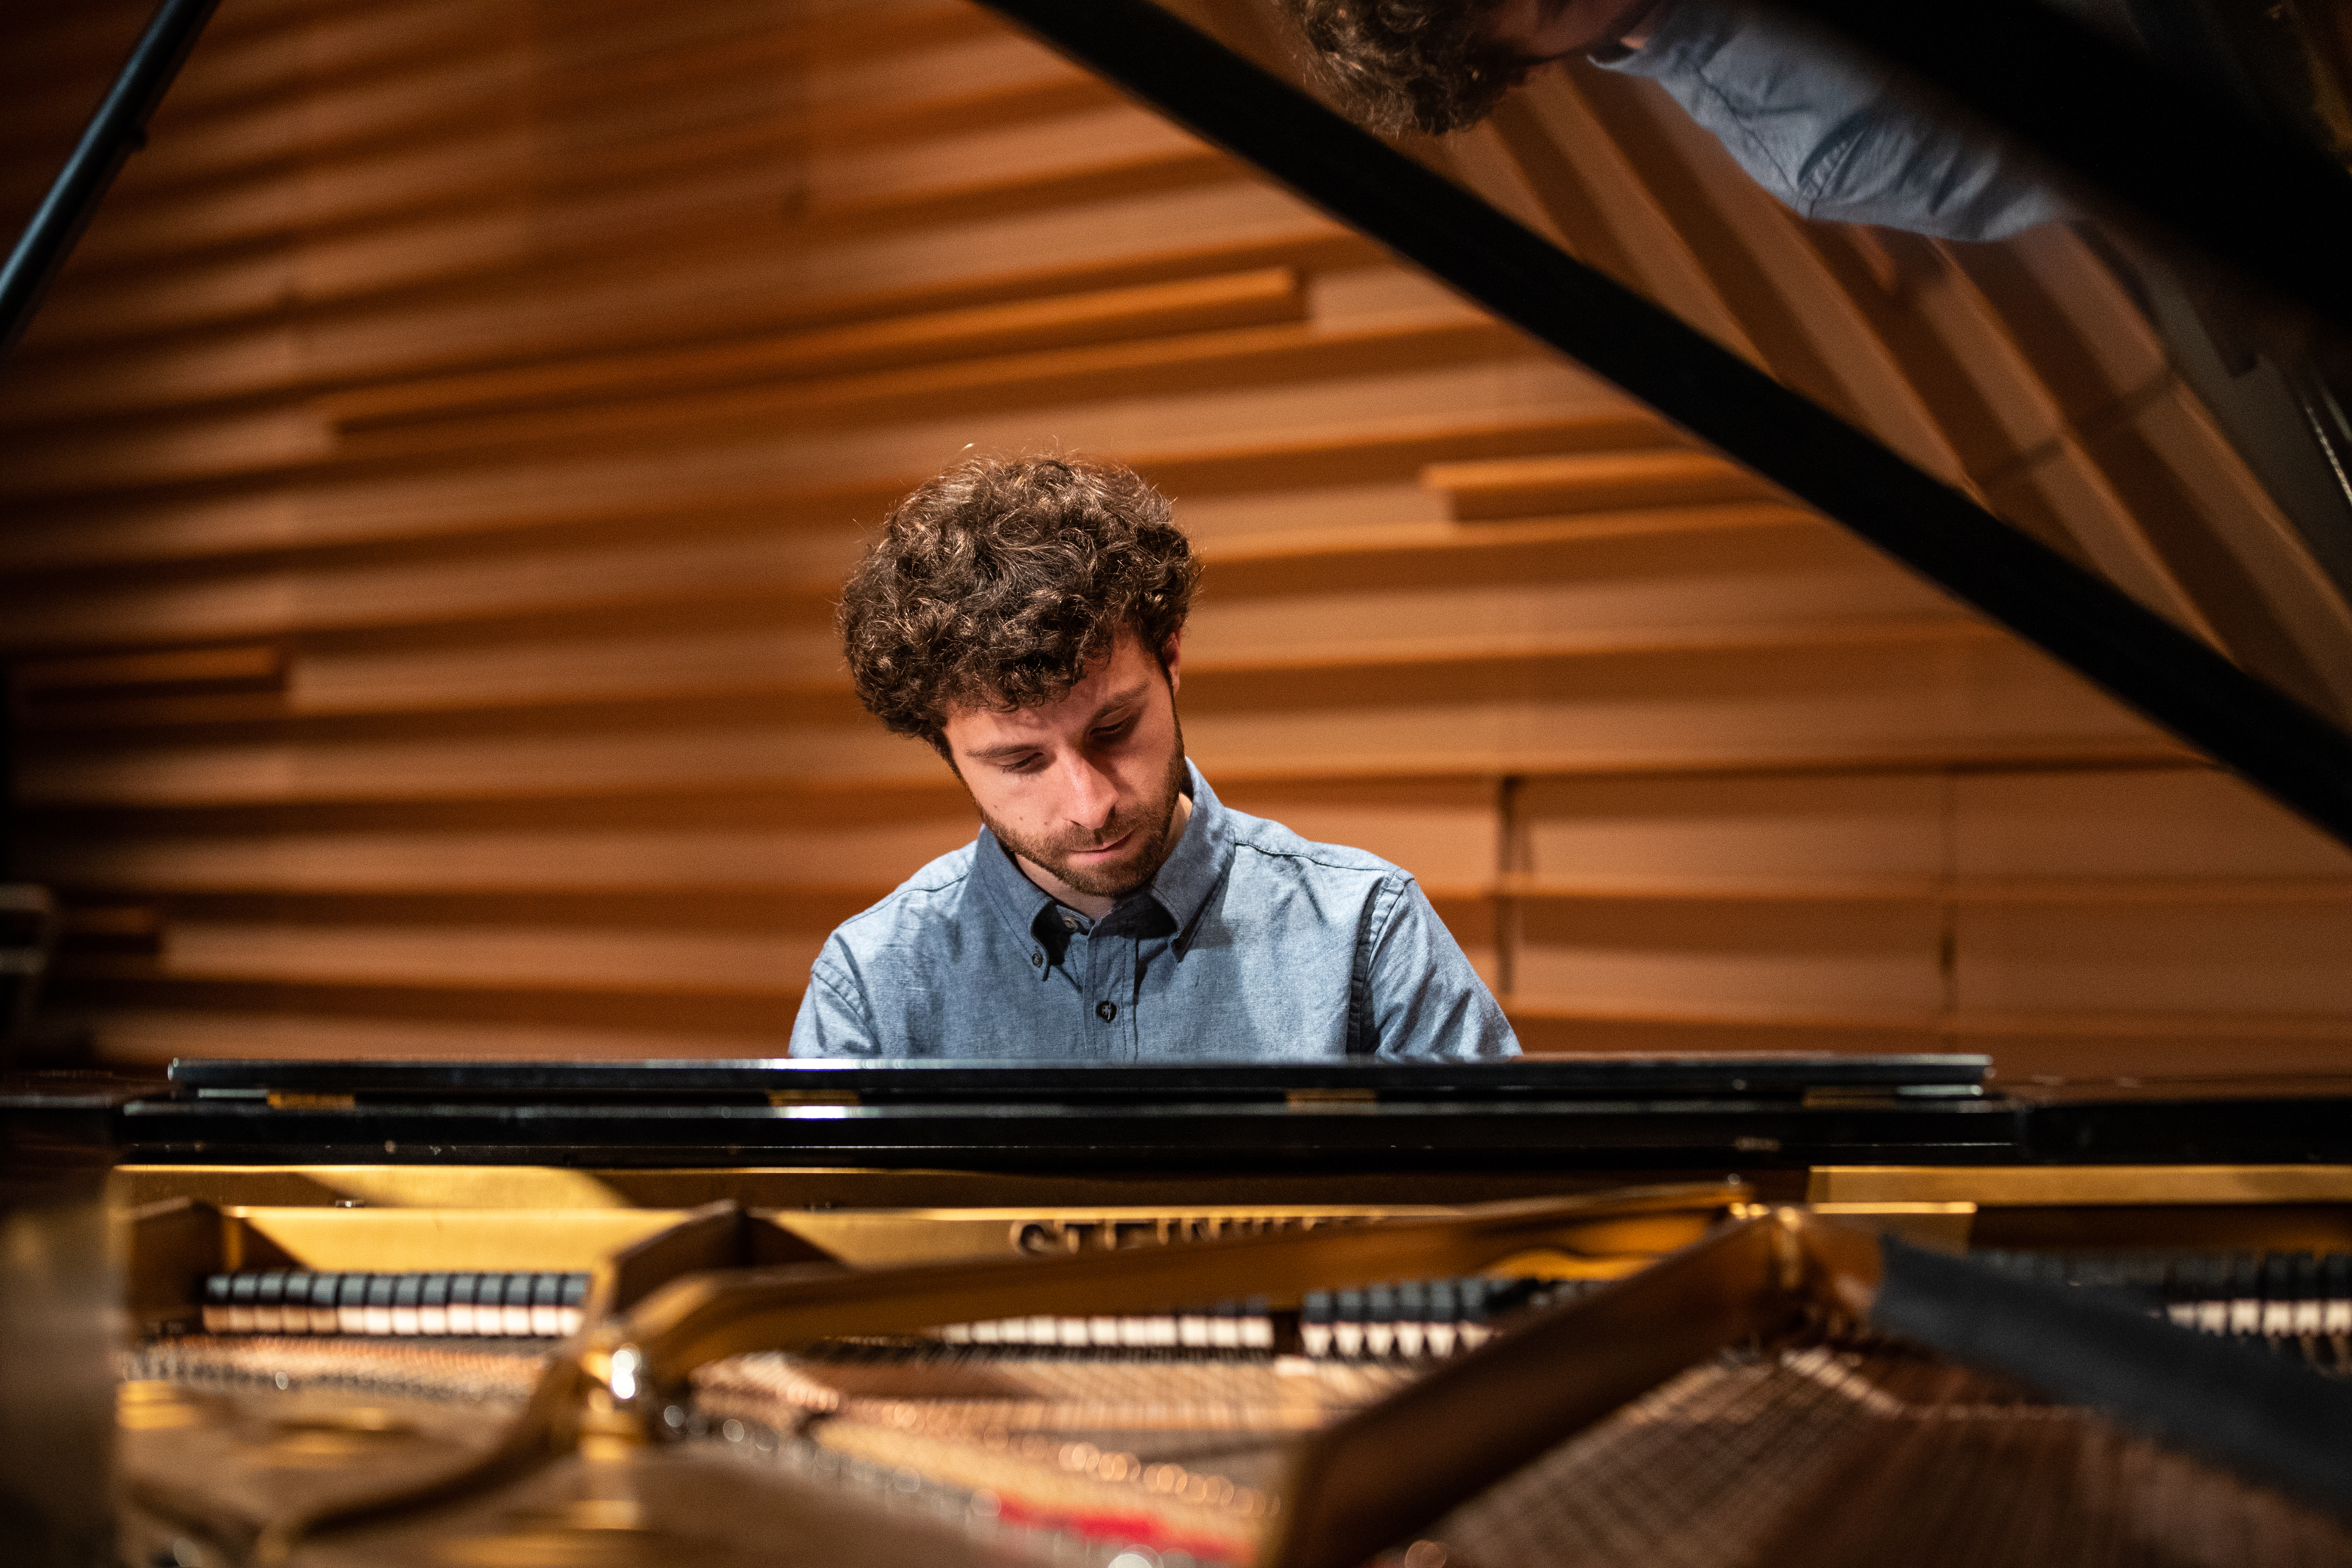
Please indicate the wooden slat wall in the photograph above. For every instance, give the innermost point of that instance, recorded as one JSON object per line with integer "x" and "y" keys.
{"x": 426, "y": 488}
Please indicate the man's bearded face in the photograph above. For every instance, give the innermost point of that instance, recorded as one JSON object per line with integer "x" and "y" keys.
{"x": 1082, "y": 788}
{"x": 1141, "y": 831}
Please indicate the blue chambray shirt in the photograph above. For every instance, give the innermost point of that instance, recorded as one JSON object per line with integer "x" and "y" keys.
{"x": 1830, "y": 132}
{"x": 1250, "y": 943}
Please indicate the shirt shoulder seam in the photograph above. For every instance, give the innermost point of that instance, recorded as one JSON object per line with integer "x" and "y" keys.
{"x": 903, "y": 891}
{"x": 1382, "y": 868}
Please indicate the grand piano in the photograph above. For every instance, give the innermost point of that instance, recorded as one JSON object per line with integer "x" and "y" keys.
{"x": 1874, "y": 710}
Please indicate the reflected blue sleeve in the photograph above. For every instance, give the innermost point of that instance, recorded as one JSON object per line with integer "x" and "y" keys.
{"x": 1425, "y": 1001}
{"x": 1832, "y": 132}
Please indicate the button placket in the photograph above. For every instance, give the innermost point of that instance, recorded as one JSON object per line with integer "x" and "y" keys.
{"x": 1102, "y": 962}
{"x": 1114, "y": 990}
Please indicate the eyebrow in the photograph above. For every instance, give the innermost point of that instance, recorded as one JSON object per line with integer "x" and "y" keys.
{"x": 1116, "y": 699}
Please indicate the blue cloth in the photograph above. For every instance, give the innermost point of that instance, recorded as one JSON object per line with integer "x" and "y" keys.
{"x": 1830, "y": 132}
{"x": 1249, "y": 944}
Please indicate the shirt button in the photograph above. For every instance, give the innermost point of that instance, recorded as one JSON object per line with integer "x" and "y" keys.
{"x": 1069, "y": 922}
{"x": 1037, "y": 955}
{"x": 1106, "y": 1011}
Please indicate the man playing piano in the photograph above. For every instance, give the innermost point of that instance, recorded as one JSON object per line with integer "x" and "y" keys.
{"x": 1026, "y": 618}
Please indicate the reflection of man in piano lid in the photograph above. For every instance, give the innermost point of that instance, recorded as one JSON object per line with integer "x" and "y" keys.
{"x": 1027, "y": 619}
{"x": 1831, "y": 133}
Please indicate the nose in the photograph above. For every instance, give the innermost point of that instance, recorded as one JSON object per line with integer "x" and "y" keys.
{"x": 1091, "y": 799}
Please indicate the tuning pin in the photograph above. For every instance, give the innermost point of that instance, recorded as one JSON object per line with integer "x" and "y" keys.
{"x": 376, "y": 1312}
{"x": 547, "y": 1305}
{"x": 269, "y": 1302}
{"x": 1474, "y": 1329}
{"x": 241, "y": 1291}
{"x": 1225, "y": 1327}
{"x": 1348, "y": 1323}
{"x": 217, "y": 1290}
{"x": 2336, "y": 1294}
{"x": 1257, "y": 1324}
{"x": 322, "y": 1302}
{"x": 408, "y": 1295}
{"x": 351, "y": 1305}
{"x": 1380, "y": 1321}
{"x": 1315, "y": 1323}
{"x": 1443, "y": 1310}
{"x": 460, "y": 1305}
{"x": 1411, "y": 1317}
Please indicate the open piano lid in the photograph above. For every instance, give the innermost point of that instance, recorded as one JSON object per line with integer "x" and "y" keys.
{"x": 2250, "y": 197}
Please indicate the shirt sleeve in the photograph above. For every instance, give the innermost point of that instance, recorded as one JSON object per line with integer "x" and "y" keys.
{"x": 1834, "y": 134}
{"x": 834, "y": 1020}
{"x": 1425, "y": 1000}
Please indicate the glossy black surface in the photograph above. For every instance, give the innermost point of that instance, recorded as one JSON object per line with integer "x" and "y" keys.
{"x": 918, "y": 1082}
{"x": 2256, "y": 196}
{"x": 1753, "y": 1113}
{"x": 117, "y": 130}
{"x": 1186, "y": 1136}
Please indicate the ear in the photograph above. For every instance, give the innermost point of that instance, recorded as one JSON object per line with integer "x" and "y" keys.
{"x": 1171, "y": 659}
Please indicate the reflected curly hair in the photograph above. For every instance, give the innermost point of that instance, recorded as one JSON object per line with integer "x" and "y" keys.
{"x": 996, "y": 584}
{"x": 1407, "y": 65}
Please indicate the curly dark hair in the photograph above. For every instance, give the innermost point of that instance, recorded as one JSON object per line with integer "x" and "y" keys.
{"x": 1407, "y": 65}
{"x": 996, "y": 584}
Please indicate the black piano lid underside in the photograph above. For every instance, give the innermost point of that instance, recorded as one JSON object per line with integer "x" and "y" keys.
{"x": 2174, "y": 679}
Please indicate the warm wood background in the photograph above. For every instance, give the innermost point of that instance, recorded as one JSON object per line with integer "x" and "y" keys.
{"x": 426, "y": 490}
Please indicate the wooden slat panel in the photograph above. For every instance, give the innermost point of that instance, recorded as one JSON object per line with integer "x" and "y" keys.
{"x": 1272, "y": 294}
{"x": 295, "y": 442}
{"x": 723, "y": 780}
{"x": 667, "y": 616}
{"x": 2040, "y": 892}
{"x": 669, "y": 908}
{"x": 756, "y": 1012}
{"x": 225, "y": 532}
{"x": 250, "y": 668}
{"x": 355, "y": 345}
{"x": 525, "y": 381}
{"x": 1716, "y": 700}
{"x": 476, "y": 248}
{"x": 1616, "y": 481}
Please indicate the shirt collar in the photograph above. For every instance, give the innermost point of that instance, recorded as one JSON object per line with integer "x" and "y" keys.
{"x": 1019, "y": 902}
{"x": 1198, "y": 863}
{"x": 1180, "y": 887}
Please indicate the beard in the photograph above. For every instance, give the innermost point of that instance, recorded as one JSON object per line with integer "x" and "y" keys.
{"x": 1149, "y": 823}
